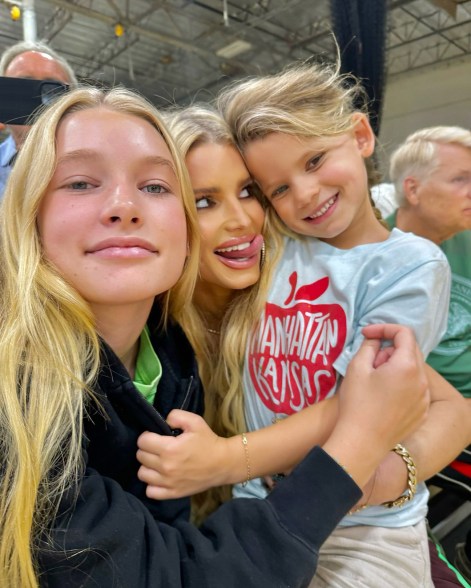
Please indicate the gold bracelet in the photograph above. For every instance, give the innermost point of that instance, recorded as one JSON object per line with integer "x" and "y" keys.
{"x": 245, "y": 443}
{"x": 411, "y": 479}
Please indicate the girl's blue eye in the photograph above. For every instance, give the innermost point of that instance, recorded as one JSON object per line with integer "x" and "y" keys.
{"x": 79, "y": 185}
{"x": 155, "y": 189}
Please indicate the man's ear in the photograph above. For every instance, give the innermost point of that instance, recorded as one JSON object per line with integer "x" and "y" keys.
{"x": 364, "y": 136}
{"x": 2, "y": 127}
{"x": 410, "y": 186}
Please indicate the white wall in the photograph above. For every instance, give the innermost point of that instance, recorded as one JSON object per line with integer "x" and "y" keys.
{"x": 438, "y": 96}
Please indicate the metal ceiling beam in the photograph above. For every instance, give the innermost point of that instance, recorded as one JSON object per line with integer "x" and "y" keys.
{"x": 440, "y": 31}
{"x": 144, "y": 32}
{"x": 251, "y": 21}
{"x": 56, "y": 24}
{"x": 449, "y": 6}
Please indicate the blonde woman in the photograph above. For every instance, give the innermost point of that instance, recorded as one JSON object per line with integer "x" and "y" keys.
{"x": 98, "y": 249}
{"x": 238, "y": 250}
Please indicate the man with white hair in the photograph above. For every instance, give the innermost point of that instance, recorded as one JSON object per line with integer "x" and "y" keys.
{"x": 35, "y": 61}
{"x": 431, "y": 172}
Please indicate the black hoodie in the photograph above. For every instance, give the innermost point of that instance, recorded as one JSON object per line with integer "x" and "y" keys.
{"x": 109, "y": 535}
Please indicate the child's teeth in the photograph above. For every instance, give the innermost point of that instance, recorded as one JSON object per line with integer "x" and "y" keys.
{"x": 325, "y": 208}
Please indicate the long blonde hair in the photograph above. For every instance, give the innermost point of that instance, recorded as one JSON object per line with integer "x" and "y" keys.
{"x": 49, "y": 348}
{"x": 220, "y": 362}
{"x": 306, "y": 100}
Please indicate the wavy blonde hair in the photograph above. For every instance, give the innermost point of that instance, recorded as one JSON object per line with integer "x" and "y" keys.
{"x": 305, "y": 100}
{"x": 49, "y": 348}
{"x": 220, "y": 363}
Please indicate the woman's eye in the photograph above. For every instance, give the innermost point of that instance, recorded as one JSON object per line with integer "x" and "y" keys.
{"x": 155, "y": 189}
{"x": 203, "y": 202}
{"x": 247, "y": 192}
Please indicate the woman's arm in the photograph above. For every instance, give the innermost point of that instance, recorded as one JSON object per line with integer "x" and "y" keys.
{"x": 445, "y": 433}
{"x": 199, "y": 459}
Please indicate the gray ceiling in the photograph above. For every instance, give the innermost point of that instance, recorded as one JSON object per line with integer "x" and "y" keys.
{"x": 171, "y": 49}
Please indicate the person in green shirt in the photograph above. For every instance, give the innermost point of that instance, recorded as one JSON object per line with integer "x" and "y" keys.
{"x": 431, "y": 172}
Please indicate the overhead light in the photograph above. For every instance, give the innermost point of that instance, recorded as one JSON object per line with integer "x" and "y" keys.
{"x": 233, "y": 49}
{"x": 118, "y": 29}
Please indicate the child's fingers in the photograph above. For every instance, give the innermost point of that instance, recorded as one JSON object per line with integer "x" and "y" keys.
{"x": 184, "y": 420}
{"x": 152, "y": 442}
{"x": 148, "y": 459}
{"x": 149, "y": 476}
{"x": 383, "y": 355}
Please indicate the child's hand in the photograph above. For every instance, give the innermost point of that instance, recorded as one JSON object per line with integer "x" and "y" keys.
{"x": 180, "y": 466}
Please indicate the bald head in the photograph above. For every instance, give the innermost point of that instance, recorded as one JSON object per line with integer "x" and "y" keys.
{"x": 36, "y": 65}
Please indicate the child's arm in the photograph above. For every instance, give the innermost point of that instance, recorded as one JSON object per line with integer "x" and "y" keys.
{"x": 198, "y": 459}
{"x": 414, "y": 292}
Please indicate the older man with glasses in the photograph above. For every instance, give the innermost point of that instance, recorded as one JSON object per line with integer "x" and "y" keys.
{"x": 35, "y": 61}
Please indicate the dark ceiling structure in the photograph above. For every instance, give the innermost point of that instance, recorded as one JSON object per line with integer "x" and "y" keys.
{"x": 176, "y": 50}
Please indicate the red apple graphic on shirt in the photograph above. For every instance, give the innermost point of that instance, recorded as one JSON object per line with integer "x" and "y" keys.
{"x": 292, "y": 353}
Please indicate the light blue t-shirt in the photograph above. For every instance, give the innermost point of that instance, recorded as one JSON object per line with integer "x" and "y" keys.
{"x": 319, "y": 300}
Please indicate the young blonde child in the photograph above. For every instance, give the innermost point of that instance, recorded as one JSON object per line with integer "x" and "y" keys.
{"x": 306, "y": 143}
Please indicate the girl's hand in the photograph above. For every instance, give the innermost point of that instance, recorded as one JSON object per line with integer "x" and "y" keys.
{"x": 193, "y": 461}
